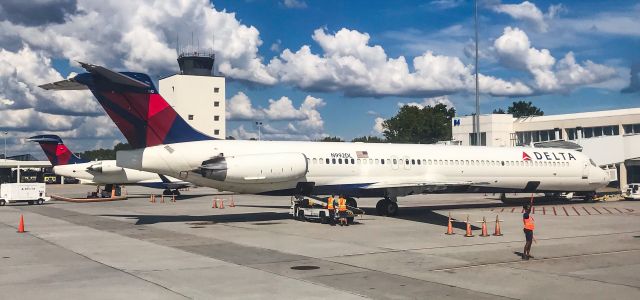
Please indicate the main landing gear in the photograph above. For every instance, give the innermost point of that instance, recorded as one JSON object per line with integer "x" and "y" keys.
{"x": 387, "y": 207}
{"x": 169, "y": 192}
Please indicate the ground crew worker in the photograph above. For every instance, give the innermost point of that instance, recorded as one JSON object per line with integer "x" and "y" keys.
{"x": 342, "y": 210}
{"x": 529, "y": 226}
{"x": 332, "y": 210}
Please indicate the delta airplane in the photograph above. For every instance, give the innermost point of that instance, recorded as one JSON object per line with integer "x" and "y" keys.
{"x": 164, "y": 143}
{"x": 100, "y": 172}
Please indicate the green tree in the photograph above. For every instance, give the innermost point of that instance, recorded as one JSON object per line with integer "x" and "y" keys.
{"x": 331, "y": 139}
{"x": 369, "y": 139}
{"x": 499, "y": 111}
{"x": 104, "y": 154}
{"x": 523, "y": 109}
{"x": 425, "y": 125}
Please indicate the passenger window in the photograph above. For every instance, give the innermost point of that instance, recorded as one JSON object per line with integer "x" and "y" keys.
{"x": 377, "y": 161}
{"x": 418, "y": 162}
{"x": 502, "y": 163}
{"x": 429, "y": 161}
{"x": 472, "y": 163}
{"x": 388, "y": 161}
{"x": 406, "y": 162}
{"x": 333, "y": 161}
{"x": 395, "y": 161}
{"x": 382, "y": 161}
{"x": 413, "y": 161}
{"x": 315, "y": 161}
{"x": 339, "y": 161}
{"x": 353, "y": 161}
{"x": 424, "y": 161}
{"x": 371, "y": 161}
{"x": 359, "y": 161}
{"x": 320, "y": 160}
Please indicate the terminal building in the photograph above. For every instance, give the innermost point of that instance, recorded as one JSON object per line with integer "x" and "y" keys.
{"x": 611, "y": 138}
{"x": 196, "y": 94}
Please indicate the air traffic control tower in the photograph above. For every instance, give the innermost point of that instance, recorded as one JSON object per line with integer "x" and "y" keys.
{"x": 196, "y": 94}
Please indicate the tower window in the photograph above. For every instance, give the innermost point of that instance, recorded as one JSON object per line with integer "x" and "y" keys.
{"x": 216, "y": 104}
{"x": 216, "y": 90}
{"x": 216, "y": 132}
{"x": 216, "y": 118}
{"x": 190, "y": 117}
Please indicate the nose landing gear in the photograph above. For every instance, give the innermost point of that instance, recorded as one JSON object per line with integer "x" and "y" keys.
{"x": 387, "y": 207}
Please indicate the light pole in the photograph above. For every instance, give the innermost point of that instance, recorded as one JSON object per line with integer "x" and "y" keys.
{"x": 477, "y": 117}
{"x": 5, "y": 145}
{"x": 259, "y": 125}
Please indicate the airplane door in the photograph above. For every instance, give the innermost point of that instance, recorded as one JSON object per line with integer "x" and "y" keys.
{"x": 394, "y": 162}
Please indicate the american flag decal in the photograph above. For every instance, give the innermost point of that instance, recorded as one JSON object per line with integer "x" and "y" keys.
{"x": 362, "y": 154}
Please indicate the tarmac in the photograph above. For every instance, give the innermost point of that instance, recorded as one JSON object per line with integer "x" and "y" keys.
{"x": 136, "y": 249}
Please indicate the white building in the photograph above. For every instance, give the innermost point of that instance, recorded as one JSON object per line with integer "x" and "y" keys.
{"x": 197, "y": 95}
{"x": 611, "y": 138}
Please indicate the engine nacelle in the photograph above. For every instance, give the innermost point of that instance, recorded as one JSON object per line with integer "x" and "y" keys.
{"x": 258, "y": 168}
{"x": 104, "y": 168}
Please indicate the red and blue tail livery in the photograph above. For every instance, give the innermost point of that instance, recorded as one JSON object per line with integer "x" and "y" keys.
{"x": 56, "y": 151}
{"x": 133, "y": 103}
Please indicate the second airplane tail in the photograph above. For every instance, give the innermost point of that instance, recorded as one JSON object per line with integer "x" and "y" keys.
{"x": 56, "y": 151}
{"x": 133, "y": 103}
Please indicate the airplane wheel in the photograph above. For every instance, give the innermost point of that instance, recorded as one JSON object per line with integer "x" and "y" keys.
{"x": 379, "y": 206}
{"x": 176, "y": 193}
{"x": 387, "y": 208}
{"x": 2, "y": 202}
{"x": 167, "y": 192}
{"x": 352, "y": 202}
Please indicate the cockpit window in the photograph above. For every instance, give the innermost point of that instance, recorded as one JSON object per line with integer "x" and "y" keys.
{"x": 592, "y": 163}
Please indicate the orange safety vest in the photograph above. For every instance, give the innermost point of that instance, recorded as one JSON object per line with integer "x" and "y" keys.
{"x": 342, "y": 204}
{"x": 330, "y": 203}
{"x": 529, "y": 223}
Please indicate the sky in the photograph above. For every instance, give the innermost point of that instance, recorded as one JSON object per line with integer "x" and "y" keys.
{"x": 310, "y": 69}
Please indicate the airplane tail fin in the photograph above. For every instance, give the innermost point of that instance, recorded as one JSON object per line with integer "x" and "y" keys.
{"x": 56, "y": 151}
{"x": 133, "y": 103}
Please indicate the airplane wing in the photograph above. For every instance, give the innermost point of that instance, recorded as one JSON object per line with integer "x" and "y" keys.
{"x": 173, "y": 184}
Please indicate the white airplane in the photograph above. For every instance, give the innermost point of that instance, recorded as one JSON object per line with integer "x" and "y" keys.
{"x": 164, "y": 143}
{"x": 101, "y": 172}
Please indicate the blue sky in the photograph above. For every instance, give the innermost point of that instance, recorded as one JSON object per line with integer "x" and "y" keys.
{"x": 309, "y": 69}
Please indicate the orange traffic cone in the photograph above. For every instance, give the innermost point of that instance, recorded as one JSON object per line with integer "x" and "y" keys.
{"x": 449, "y": 227}
{"x": 221, "y": 204}
{"x": 232, "y": 204}
{"x": 152, "y": 198}
{"x": 215, "y": 203}
{"x": 484, "y": 228}
{"x": 468, "y": 233}
{"x": 21, "y": 225}
{"x": 497, "y": 231}
{"x": 173, "y": 198}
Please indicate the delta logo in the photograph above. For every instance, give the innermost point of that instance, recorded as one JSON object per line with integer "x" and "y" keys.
{"x": 549, "y": 156}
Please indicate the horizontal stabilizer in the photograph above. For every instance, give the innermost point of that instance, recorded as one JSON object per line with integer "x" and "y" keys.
{"x": 113, "y": 76}
{"x": 64, "y": 85}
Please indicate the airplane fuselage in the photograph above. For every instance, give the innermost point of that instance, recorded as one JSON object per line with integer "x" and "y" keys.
{"x": 367, "y": 170}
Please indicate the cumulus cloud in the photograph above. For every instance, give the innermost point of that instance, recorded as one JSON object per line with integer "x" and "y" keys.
{"x": 20, "y": 74}
{"x": 430, "y": 102}
{"x": 140, "y": 35}
{"x": 351, "y": 66}
{"x": 302, "y": 123}
{"x": 377, "y": 126}
{"x": 514, "y": 50}
{"x": 36, "y": 12}
{"x": 530, "y": 14}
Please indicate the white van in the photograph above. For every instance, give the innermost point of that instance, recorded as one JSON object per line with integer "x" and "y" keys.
{"x": 33, "y": 193}
{"x": 632, "y": 192}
